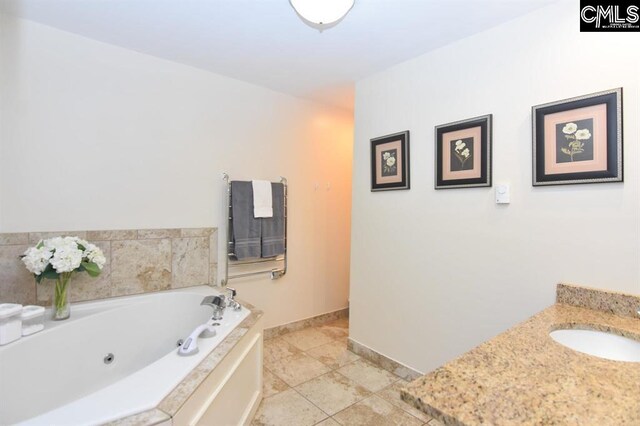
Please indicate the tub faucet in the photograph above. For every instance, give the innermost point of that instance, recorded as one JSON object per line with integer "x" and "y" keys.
{"x": 232, "y": 303}
{"x": 217, "y": 303}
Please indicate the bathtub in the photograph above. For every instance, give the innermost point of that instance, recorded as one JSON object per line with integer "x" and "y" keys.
{"x": 110, "y": 360}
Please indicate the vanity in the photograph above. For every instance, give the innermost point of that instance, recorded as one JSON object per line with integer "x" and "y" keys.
{"x": 525, "y": 377}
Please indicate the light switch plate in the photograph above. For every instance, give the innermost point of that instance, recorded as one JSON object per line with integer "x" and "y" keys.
{"x": 503, "y": 194}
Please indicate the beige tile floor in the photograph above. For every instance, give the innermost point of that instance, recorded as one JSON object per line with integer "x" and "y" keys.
{"x": 310, "y": 378}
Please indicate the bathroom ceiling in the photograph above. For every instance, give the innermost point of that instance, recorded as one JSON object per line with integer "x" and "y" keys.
{"x": 265, "y": 43}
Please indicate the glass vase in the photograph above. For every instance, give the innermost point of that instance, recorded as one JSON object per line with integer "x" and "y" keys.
{"x": 61, "y": 309}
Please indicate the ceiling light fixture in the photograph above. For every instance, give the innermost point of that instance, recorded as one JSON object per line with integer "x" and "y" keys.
{"x": 322, "y": 14}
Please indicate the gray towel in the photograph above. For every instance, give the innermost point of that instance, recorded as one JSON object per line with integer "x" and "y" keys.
{"x": 273, "y": 227}
{"x": 245, "y": 228}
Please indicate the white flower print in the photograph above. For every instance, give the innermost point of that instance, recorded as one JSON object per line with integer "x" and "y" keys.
{"x": 462, "y": 152}
{"x": 570, "y": 128}
{"x": 583, "y": 134}
{"x": 574, "y": 139}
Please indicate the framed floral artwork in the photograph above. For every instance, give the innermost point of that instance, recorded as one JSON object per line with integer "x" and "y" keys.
{"x": 390, "y": 162}
{"x": 578, "y": 140}
{"x": 463, "y": 153}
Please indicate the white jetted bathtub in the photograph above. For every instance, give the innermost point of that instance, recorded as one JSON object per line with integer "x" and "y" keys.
{"x": 111, "y": 359}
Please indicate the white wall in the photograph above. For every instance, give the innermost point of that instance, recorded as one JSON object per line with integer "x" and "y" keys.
{"x": 435, "y": 273}
{"x": 99, "y": 137}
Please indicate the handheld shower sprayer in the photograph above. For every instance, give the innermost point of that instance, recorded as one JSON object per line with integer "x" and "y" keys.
{"x": 190, "y": 345}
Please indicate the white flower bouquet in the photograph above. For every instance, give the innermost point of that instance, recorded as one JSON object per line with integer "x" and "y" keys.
{"x": 57, "y": 259}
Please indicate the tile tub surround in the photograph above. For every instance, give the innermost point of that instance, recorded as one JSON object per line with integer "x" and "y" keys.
{"x": 522, "y": 376}
{"x": 138, "y": 261}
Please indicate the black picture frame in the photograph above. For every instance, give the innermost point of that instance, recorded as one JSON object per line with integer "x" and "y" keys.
{"x": 390, "y": 162}
{"x": 472, "y": 137}
{"x": 563, "y": 156}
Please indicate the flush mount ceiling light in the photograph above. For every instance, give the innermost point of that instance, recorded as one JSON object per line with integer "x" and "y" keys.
{"x": 322, "y": 14}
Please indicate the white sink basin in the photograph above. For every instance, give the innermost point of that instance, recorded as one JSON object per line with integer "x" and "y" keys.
{"x": 600, "y": 344}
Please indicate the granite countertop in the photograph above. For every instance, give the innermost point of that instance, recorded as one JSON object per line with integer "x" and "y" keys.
{"x": 523, "y": 377}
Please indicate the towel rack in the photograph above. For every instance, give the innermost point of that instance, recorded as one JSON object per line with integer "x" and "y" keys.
{"x": 274, "y": 273}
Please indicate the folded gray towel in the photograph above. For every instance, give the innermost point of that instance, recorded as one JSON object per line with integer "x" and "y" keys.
{"x": 245, "y": 228}
{"x": 273, "y": 227}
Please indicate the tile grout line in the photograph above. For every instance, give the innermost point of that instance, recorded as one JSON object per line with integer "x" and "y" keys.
{"x": 371, "y": 393}
{"x": 332, "y": 370}
{"x": 311, "y": 402}
{"x": 345, "y": 408}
